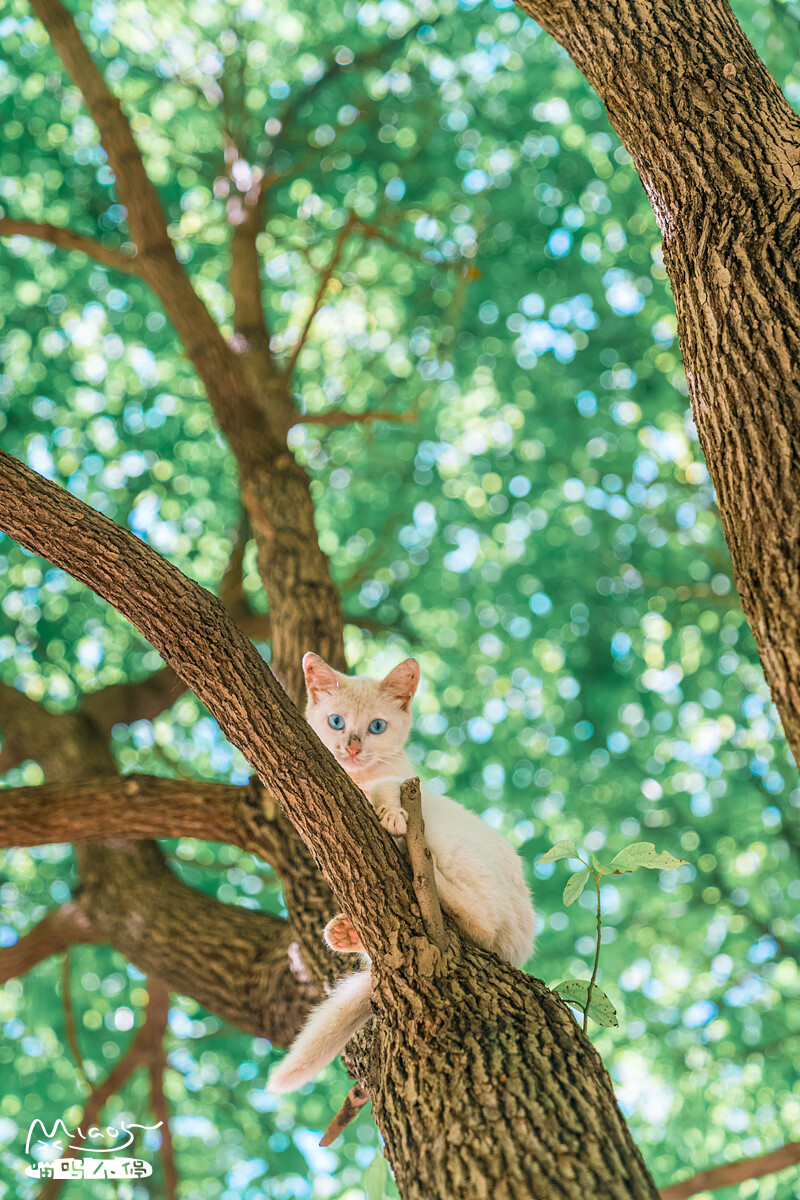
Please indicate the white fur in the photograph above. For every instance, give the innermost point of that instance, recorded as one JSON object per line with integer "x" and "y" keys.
{"x": 477, "y": 872}
{"x": 325, "y": 1034}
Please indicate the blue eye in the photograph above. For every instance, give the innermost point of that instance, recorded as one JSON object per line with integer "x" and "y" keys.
{"x": 377, "y": 726}
{"x": 335, "y": 721}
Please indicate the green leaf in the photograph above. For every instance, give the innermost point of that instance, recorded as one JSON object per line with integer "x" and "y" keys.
{"x": 375, "y": 1178}
{"x": 565, "y": 849}
{"x": 601, "y": 1010}
{"x": 598, "y": 866}
{"x": 643, "y": 854}
{"x": 575, "y": 885}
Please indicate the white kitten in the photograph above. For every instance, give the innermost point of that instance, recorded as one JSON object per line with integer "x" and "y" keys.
{"x": 365, "y": 723}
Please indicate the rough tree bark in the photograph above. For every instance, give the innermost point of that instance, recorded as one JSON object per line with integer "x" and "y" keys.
{"x": 717, "y": 148}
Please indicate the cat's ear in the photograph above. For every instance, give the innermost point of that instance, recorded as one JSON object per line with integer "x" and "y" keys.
{"x": 319, "y": 676}
{"x": 402, "y": 681}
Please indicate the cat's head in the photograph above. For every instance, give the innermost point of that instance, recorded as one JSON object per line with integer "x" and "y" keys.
{"x": 363, "y": 722}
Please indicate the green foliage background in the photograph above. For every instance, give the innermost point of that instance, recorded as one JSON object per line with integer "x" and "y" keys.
{"x": 541, "y": 534}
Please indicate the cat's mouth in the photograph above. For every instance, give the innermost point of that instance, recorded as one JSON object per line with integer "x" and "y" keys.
{"x": 352, "y": 765}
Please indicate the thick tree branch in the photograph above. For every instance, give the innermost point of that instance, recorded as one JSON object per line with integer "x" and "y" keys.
{"x": 69, "y": 746}
{"x": 132, "y": 806}
{"x": 122, "y": 703}
{"x": 69, "y": 240}
{"x": 142, "y": 806}
{"x": 492, "y": 1013}
{"x": 234, "y": 961}
{"x": 61, "y": 928}
{"x": 239, "y": 963}
{"x": 695, "y": 93}
{"x": 736, "y": 1172}
{"x": 254, "y": 415}
{"x": 145, "y": 215}
{"x": 191, "y": 631}
{"x": 235, "y": 407}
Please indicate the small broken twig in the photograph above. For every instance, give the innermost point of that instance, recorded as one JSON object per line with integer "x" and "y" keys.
{"x": 353, "y": 1103}
{"x": 422, "y": 864}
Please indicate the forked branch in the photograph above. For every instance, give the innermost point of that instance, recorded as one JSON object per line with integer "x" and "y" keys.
{"x": 234, "y": 405}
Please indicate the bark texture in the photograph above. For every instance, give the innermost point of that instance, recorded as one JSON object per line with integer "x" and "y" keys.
{"x": 252, "y": 403}
{"x": 193, "y": 633}
{"x": 197, "y": 946}
{"x": 484, "y": 1087}
{"x": 717, "y": 148}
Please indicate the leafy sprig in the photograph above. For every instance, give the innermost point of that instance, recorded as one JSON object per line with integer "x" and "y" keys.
{"x": 584, "y": 993}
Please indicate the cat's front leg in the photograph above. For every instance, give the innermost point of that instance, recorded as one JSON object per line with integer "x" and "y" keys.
{"x": 385, "y": 799}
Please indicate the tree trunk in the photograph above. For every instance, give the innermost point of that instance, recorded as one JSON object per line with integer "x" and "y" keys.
{"x": 483, "y": 1086}
{"x": 717, "y": 148}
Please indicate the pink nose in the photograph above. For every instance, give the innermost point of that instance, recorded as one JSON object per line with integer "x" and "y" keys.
{"x": 353, "y": 750}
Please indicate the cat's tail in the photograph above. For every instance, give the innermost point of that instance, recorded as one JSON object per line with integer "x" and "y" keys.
{"x": 325, "y": 1034}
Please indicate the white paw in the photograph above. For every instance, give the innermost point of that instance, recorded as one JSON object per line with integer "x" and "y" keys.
{"x": 394, "y": 821}
{"x": 340, "y": 935}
